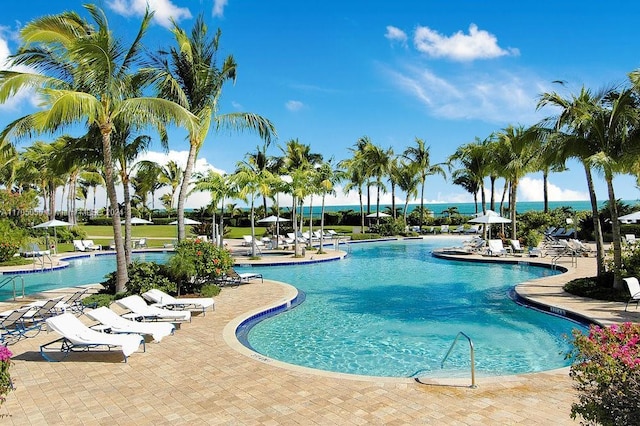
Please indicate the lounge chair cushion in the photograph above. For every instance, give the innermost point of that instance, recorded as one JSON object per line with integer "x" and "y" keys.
{"x": 137, "y": 305}
{"x": 157, "y": 330}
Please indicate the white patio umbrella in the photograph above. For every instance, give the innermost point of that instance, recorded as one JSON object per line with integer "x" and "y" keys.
{"x": 139, "y": 221}
{"x": 52, "y": 224}
{"x": 187, "y": 221}
{"x": 631, "y": 217}
{"x": 379, "y": 214}
{"x": 273, "y": 219}
{"x": 490, "y": 218}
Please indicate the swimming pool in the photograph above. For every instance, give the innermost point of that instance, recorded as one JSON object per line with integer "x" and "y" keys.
{"x": 81, "y": 270}
{"x": 391, "y": 309}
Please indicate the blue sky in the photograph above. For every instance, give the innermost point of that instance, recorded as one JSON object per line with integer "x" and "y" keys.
{"x": 328, "y": 73}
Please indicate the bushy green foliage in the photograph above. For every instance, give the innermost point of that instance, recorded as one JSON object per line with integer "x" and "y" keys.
{"x": 630, "y": 261}
{"x": 389, "y": 227}
{"x": 210, "y": 290}
{"x": 11, "y": 239}
{"x": 368, "y": 236}
{"x": 143, "y": 276}
{"x": 14, "y": 203}
{"x": 600, "y": 288}
{"x": 98, "y": 300}
{"x": 197, "y": 262}
{"x": 606, "y": 372}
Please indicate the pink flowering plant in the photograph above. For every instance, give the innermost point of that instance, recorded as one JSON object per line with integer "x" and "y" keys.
{"x": 606, "y": 372}
{"x": 200, "y": 259}
{"x": 6, "y": 385}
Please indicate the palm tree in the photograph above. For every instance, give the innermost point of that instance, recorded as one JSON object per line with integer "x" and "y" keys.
{"x": 476, "y": 163}
{"x": 354, "y": 173}
{"x": 408, "y": 181}
{"x": 38, "y": 163}
{"x": 324, "y": 179}
{"x": 92, "y": 179}
{"x": 83, "y": 73}
{"x": 171, "y": 175}
{"x": 252, "y": 182}
{"x": 188, "y": 74}
{"x": 420, "y": 157}
{"x": 378, "y": 160}
{"x": 519, "y": 146}
{"x": 220, "y": 188}
{"x": 570, "y": 139}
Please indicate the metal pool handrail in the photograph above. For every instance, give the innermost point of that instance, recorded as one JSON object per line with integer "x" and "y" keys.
{"x": 472, "y": 353}
{"x": 12, "y": 279}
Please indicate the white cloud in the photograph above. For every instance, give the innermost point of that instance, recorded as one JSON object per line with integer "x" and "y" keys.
{"x": 218, "y": 7}
{"x": 478, "y": 44}
{"x": 532, "y": 189}
{"x": 497, "y": 96}
{"x": 164, "y": 10}
{"x": 294, "y": 105}
{"x": 396, "y": 35}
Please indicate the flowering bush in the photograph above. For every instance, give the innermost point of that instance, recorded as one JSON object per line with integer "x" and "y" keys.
{"x": 200, "y": 259}
{"x": 606, "y": 370}
{"x": 6, "y": 385}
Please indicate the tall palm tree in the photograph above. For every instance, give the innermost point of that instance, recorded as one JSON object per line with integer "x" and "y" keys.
{"x": 190, "y": 74}
{"x": 355, "y": 175}
{"x": 219, "y": 187}
{"x": 324, "y": 179}
{"x": 379, "y": 161}
{"x": 570, "y": 129}
{"x": 476, "y": 163}
{"x": 171, "y": 175}
{"x": 83, "y": 73}
{"x": 251, "y": 183}
{"x": 519, "y": 146}
{"x": 92, "y": 179}
{"x": 408, "y": 181}
{"x": 38, "y": 163}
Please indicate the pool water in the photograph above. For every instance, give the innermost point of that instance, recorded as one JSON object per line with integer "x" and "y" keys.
{"x": 391, "y": 309}
{"x": 81, "y": 271}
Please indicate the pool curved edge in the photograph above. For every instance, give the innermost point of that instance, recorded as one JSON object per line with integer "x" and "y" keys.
{"x": 230, "y": 336}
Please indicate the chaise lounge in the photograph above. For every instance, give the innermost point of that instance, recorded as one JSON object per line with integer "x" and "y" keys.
{"x": 164, "y": 300}
{"x": 78, "y": 337}
{"x": 139, "y": 308}
{"x": 117, "y": 324}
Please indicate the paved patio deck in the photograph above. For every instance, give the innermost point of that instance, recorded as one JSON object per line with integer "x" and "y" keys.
{"x": 198, "y": 375}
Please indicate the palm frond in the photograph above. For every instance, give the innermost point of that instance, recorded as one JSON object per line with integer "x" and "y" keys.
{"x": 240, "y": 121}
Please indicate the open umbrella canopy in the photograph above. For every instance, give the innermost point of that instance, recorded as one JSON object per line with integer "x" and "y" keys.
{"x": 187, "y": 221}
{"x": 139, "y": 221}
{"x": 490, "y": 218}
{"x": 631, "y": 217}
{"x": 378, "y": 214}
{"x": 273, "y": 219}
{"x": 52, "y": 224}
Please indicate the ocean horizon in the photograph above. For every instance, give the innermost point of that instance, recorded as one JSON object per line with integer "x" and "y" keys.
{"x": 467, "y": 209}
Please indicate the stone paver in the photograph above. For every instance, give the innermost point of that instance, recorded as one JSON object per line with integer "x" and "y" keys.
{"x": 202, "y": 375}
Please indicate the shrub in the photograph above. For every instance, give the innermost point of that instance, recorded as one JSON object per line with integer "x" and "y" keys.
{"x": 606, "y": 371}
{"x": 600, "y": 288}
{"x": 98, "y": 300}
{"x": 12, "y": 238}
{"x": 143, "y": 276}
{"x": 198, "y": 259}
{"x": 209, "y": 290}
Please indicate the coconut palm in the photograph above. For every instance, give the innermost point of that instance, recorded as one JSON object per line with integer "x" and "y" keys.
{"x": 324, "y": 179}
{"x": 218, "y": 185}
{"x": 408, "y": 181}
{"x": 83, "y": 73}
{"x": 190, "y": 74}
{"x": 378, "y": 161}
{"x": 251, "y": 183}
{"x": 570, "y": 130}
{"x": 420, "y": 157}
{"x": 171, "y": 175}
{"x": 519, "y": 147}
{"x": 91, "y": 178}
{"x": 476, "y": 164}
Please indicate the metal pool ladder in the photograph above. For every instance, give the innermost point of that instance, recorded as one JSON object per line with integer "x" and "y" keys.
{"x": 12, "y": 279}
{"x": 471, "y": 350}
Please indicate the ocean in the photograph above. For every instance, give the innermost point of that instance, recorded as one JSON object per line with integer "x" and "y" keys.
{"x": 464, "y": 208}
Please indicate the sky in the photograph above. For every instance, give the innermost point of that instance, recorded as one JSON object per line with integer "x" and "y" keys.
{"x": 330, "y": 72}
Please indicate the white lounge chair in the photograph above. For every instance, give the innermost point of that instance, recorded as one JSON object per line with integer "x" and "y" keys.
{"x": 164, "y": 300}
{"x": 630, "y": 238}
{"x": 77, "y": 245}
{"x": 139, "y": 307}
{"x": 458, "y": 230}
{"x": 444, "y": 229}
{"x": 515, "y": 247}
{"x": 473, "y": 229}
{"x": 76, "y": 335}
{"x": 634, "y": 291}
{"x": 495, "y": 248}
{"x": 232, "y": 277}
{"x": 89, "y": 245}
{"x": 117, "y": 324}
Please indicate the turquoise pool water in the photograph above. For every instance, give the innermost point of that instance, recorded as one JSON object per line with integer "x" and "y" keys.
{"x": 391, "y": 309}
{"x": 81, "y": 271}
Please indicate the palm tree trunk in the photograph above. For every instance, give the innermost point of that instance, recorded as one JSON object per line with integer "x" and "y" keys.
{"x": 597, "y": 228}
{"x": 422, "y": 203}
{"x": 545, "y": 190}
{"x": 483, "y": 199}
{"x": 512, "y": 207}
{"x": 122, "y": 275}
{"x": 221, "y": 227}
{"x": 184, "y": 187}
{"x": 361, "y": 212}
{"x": 52, "y": 201}
{"x": 493, "y": 194}
{"x": 393, "y": 200}
{"x": 320, "y": 249}
{"x": 127, "y": 217}
{"x": 253, "y": 229}
{"x": 615, "y": 229}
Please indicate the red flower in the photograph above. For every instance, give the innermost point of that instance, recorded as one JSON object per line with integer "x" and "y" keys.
{"x": 199, "y": 253}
